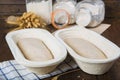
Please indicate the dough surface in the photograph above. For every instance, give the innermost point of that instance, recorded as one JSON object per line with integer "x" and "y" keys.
{"x": 34, "y": 49}
{"x": 85, "y": 48}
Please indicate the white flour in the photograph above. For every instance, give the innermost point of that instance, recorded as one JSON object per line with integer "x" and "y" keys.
{"x": 41, "y": 8}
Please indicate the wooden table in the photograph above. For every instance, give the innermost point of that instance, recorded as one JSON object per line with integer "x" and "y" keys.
{"x": 113, "y": 34}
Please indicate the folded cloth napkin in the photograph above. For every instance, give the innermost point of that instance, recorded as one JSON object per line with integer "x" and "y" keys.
{"x": 11, "y": 70}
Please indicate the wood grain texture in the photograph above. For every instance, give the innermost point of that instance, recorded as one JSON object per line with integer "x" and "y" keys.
{"x": 10, "y": 2}
{"x": 12, "y": 7}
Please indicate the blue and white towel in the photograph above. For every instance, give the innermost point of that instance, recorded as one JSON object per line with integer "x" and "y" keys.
{"x": 11, "y": 70}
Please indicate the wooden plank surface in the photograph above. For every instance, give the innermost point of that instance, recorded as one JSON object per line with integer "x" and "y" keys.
{"x": 12, "y": 9}
{"x": 10, "y": 2}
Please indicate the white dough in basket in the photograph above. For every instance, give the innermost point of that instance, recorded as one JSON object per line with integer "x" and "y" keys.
{"x": 85, "y": 48}
{"x": 34, "y": 49}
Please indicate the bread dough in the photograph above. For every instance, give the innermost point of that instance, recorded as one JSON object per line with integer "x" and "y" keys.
{"x": 85, "y": 48}
{"x": 34, "y": 49}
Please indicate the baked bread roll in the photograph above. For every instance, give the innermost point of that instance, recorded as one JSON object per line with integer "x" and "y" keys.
{"x": 85, "y": 48}
{"x": 34, "y": 49}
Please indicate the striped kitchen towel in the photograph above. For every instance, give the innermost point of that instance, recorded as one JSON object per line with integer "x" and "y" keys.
{"x": 11, "y": 70}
